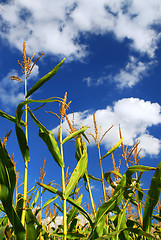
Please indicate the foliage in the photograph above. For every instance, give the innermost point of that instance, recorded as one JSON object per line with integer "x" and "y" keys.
{"x": 122, "y": 215}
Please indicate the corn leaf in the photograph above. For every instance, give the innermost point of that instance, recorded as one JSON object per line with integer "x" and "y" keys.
{"x": 157, "y": 217}
{"x": 35, "y": 200}
{"x": 119, "y": 192}
{"x": 74, "y": 134}
{"x": 48, "y": 137}
{"x": 10, "y": 118}
{"x": 22, "y": 141}
{"x": 19, "y": 110}
{"x": 107, "y": 177}
{"x": 70, "y": 235}
{"x": 78, "y": 173}
{"x": 152, "y": 198}
{"x": 7, "y": 185}
{"x": 73, "y": 212}
{"x": 49, "y": 201}
{"x": 94, "y": 178}
{"x": 70, "y": 200}
{"x": 44, "y": 79}
{"x": 137, "y": 231}
{"x": 31, "y": 231}
{"x": 121, "y": 224}
{"x": 113, "y": 148}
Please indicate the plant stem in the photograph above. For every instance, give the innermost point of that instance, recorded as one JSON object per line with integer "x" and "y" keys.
{"x": 102, "y": 176}
{"x": 26, "y": 163}
{"x": 91, "y": 197}
{"x": 63, "y": 189}
{"x": 41, "y": 210}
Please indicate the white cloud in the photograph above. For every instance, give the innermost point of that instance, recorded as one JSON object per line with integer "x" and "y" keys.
{"x": 150, "y": 144}
{"x": 132, "y": 73}
{"x": 55, "y": 26}
{"x": 11, "y": 91}
{"x": 128, "y": 76}
{"x": 135, "y": 116}
{"x": 59, "y": 221}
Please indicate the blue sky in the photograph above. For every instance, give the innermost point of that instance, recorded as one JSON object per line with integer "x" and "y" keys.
{"x": 112, "y": 67}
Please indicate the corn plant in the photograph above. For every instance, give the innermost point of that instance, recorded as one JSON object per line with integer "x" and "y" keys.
{"x": 126, "y": 213}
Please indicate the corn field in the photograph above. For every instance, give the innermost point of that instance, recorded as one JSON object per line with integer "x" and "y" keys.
{"x": 127, "y": 211}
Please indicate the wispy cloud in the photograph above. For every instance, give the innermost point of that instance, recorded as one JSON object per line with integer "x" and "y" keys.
{"x": 12, "y": 92}
{"x": 127, "y": 77}
{"x": 132, "y": 73}
{"x": 61, "y": 23}
{"x": 135, "y": 116}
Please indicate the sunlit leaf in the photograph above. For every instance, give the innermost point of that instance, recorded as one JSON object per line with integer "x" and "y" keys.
{"x": 44, "y": 79}
{"x": 107, "y": 177}
{"x": 94, "y": 178}
{"x": 78, "y": 172}
{"x": 74, "y": 210}
{"x": 152, "y": 198}
{"x": 22, "y": 141}
{"x": 7, "y": 185}
{"x": 70, "y": 200}
{"x": 113, "y": 148}
{"x": 70, "y": 235}
{"x": 10, "y": 118}
{"x": 119, "y": 192}
{"x": 48, "y": 137}
{"x": 74, "y": 134}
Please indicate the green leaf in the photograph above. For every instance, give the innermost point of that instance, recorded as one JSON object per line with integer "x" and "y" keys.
{"x": 94, "y": 178}
{"x": 113, "y": 148}
{"x": 133, "y": 230}
{"x": 152, "y": 198}
{"x": 31, "y": 232}
{"x": 22, "y": 141}
{"x": 107, "y": 177}
{"x": 19, "y": 132}
{"x": 10, "y": 118}
{"x": 49, "y": 201}
{"x": 157, "y": 217}
{"x": 70, "y": 235}
{"x": 70, "y": 200}
{"x": 119, "y": 192}
{"x": 19, "y": 110}
{"x": 35, "y": 200}
{"x": 44, "y": 79}
{"x": 48, "y": 137}
{"x": 7, "y": 185}
{"x": 74, "y": 134}
{"x": 121, "y": 223}
{"x": 73, "y": 212}
{"x": 78, "y": 173}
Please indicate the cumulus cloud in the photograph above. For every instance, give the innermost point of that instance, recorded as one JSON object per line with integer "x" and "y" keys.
{"x": 135, "y": 116}
{"x": 55, "y": 26}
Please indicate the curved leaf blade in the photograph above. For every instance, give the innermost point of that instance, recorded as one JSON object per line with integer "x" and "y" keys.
{"x": 10, "y": 118}
{"x": 78, "y": 172}
{"x": 118, "y": 194}
{"x": 22, "y": 141}
{"x": 152, "y": 198}
{"x": 7, "y": 183}
{"x": 44, "y": 79}
{"x": 113, "y": 148}
{"x": 48, "y": 137}
{"x": 74, "y": 134}
{"x": 70, "y": 200}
